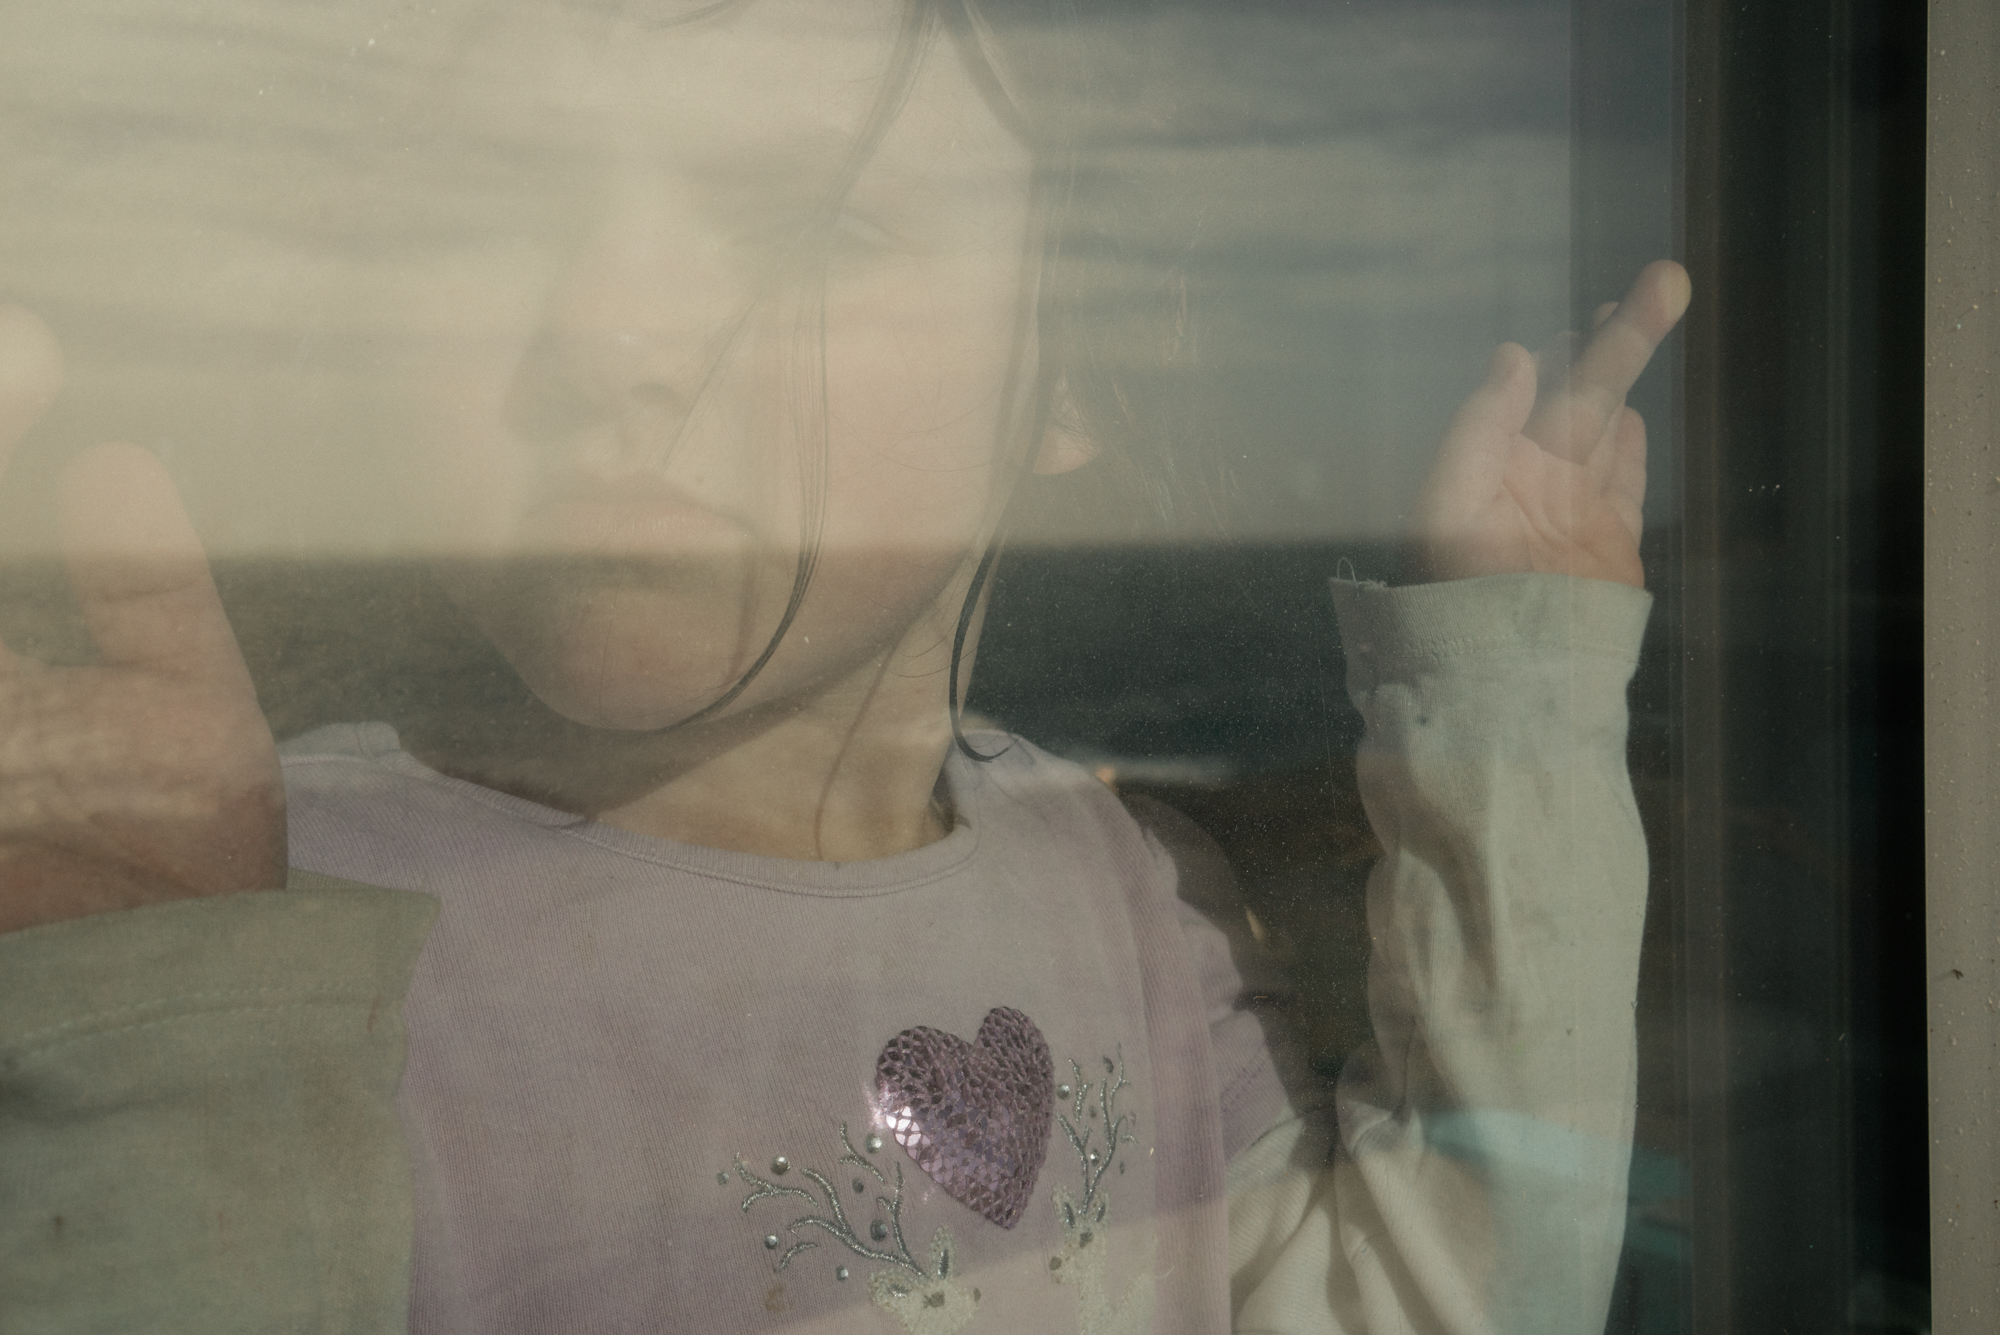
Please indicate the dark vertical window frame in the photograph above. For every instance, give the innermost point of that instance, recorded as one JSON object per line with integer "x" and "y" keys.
{"x": 1778, "y": 701}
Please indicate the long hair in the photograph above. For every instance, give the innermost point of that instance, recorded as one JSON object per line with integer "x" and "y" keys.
{"x": 1117, "y": 362}
{"x": 1116, "y": 330}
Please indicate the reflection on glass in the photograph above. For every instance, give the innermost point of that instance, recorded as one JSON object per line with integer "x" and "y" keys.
{"x": 770, "y": 608}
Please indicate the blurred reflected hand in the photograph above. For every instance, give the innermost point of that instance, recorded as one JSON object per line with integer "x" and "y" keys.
{"x": 151, "y": 775}
{"x": 1552, "y": 484}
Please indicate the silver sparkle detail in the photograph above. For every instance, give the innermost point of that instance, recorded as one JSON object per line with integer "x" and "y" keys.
{"x": 829, "y": 1216}
{"x": 1096, "y": 1161}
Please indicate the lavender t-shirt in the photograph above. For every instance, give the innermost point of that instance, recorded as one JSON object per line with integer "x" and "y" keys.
{"x": 645, "y": 1088}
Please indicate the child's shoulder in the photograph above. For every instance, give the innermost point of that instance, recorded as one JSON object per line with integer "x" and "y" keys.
{"x": 1017, "y": 764}
{"x": 1013, "y": 772}
{"x": 1061, "y": 792}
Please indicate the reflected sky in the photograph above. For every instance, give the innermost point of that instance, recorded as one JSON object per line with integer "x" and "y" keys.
{"x": 1364, "y": 199}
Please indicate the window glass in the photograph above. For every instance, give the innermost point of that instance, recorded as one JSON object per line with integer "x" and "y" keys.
{"x": 961, "y": 664}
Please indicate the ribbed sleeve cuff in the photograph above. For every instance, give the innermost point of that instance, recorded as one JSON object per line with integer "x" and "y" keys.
{"x": 1390, "y": 632}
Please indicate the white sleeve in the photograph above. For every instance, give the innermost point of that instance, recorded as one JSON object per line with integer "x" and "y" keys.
{"x": 1477, "y": 1180}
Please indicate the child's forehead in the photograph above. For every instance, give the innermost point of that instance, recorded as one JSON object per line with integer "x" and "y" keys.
{"x": 778, "y": 75}
{"x": 764, "y": 89}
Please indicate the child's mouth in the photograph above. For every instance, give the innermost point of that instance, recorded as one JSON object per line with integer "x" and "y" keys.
{"x": 637, "y": 521}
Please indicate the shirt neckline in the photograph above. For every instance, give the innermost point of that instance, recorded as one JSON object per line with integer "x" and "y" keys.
{"x": 377, "y": 745}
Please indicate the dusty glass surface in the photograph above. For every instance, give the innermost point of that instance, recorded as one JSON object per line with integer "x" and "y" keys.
{"x": 802, "y": 533}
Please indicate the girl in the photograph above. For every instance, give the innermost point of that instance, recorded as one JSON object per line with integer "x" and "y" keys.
{"x": 741, "y": 990}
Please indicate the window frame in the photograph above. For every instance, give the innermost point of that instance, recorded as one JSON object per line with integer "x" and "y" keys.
{"x": 1961, "y": 720}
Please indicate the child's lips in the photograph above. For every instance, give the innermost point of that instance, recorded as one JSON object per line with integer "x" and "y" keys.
{"x": 641, "y": 521}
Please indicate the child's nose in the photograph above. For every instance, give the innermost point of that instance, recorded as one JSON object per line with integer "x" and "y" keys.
{"x": 609, "y": 387}
{"x": 628, "y": 337}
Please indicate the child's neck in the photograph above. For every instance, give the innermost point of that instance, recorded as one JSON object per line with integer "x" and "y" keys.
{"x": 804, "y": 790}
{"x": 850, "y": 774}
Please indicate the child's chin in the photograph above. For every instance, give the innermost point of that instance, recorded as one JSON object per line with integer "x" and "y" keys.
{"x": 624, "y": 681}
{"x": 631, "y": 657}
{"x": 635, "y": 711}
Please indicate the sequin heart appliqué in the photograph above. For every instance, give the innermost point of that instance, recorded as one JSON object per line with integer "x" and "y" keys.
{"x": 974, "y": 1116}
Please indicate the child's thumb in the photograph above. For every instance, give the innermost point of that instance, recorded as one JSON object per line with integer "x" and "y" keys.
{"x": 1498, "y": 409}
{"x": 140, "y": 575}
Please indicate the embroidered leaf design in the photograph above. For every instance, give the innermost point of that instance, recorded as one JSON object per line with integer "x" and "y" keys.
{"x": 826, "y": 1213}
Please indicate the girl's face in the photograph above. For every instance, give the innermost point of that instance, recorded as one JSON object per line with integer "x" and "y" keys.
{"x": 699, "y": 357}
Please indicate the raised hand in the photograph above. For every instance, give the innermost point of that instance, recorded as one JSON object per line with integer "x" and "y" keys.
{"x": 150, "y": 775}
{"x": 1552, "y": 484}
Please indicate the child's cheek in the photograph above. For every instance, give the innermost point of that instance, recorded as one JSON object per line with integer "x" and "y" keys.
{"x": 467, "y": 327}
{"x": 919, "y": 357}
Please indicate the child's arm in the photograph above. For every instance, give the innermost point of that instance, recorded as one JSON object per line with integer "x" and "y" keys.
{"x": 198, "y": 1129}
{"x": 148, "y": 775}
{"x": 1477, "y": 1178}
{"x": 1477, "y": 1175}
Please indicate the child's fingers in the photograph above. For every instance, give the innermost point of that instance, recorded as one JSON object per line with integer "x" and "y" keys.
{"x": 1572, "y": 420}
{"x": 1601, "y": 314}
{"x": 1626, "y": 478}
{"x": 31, "y": 374}
{"x": 140, "y": 575}
{"x": 1473, "y": 461}
{"x": 1499, "y": 408}
{"x": 1624, "y": 343}
{"x": 1553, "y": 361}
{"x": 1474, "y": 454}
